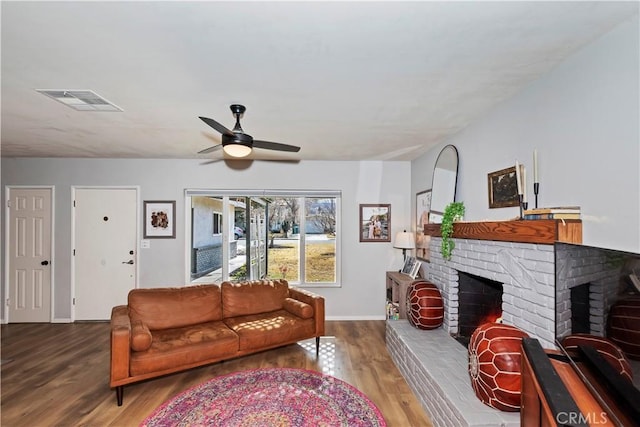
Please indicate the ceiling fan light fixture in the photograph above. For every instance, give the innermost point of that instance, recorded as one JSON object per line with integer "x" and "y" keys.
{"x": 237, "y": 150}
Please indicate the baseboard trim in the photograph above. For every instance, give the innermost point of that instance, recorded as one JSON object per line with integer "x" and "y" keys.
{"x": 375, "y": 317}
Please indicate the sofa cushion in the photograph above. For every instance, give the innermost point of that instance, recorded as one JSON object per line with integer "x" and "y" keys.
{"x": 185, "y": 346}
{"x": 253, "y": 297}
{"x": 266, "y": 330}
{"x": 298, "y": 308}
{"x": 140, "y": 336}
{"x": 165, "y": 308}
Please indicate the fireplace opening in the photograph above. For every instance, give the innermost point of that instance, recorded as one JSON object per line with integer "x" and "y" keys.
{"x": 479, "y": 302}
{"x": 580, "y": 310}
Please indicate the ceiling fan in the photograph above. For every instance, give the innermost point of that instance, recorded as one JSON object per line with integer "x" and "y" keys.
{"x": 238, "y": 144}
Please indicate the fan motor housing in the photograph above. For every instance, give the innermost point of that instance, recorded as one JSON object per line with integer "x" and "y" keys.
{"x": 238, "y": 138}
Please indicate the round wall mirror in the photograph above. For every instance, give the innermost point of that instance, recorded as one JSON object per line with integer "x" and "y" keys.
{"x": 445, "y": 177}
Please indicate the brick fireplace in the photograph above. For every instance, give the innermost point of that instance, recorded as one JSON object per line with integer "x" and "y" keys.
{"x": 589, "y": 280}
{"x": 434, "y": 364}
{"x": 525, "y": 271}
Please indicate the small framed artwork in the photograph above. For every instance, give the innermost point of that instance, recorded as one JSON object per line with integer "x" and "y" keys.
{"x": 375, "y": 223}
{"x": 411, "y": 267}
{"x": 159, "y": 219}
{"x": 423, "y": 207}
{"x": 409, "y": 262}
{"x": 415, "y": 269}
{"x": 503, "y": 188}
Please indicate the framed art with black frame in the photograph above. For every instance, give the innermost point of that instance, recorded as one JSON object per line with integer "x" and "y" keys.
{"x": 503, "y": 188}
{"x": 159, "y": 219}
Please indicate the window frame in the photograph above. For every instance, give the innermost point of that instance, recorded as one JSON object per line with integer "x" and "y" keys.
{"x": 302, "y": 194}
{"x": 217, "y": 224}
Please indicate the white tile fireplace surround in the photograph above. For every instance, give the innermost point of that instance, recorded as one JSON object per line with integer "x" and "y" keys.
{"x": 435, "y": 364}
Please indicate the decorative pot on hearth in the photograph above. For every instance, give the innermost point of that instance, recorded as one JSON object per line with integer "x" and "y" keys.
{"x": 494, "y": 365}
{"x": 425, "y": 307}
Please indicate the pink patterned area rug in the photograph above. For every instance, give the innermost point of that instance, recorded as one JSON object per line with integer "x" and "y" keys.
{"x": 269, "y": 397}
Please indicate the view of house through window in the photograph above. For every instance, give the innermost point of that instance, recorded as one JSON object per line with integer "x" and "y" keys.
{"x": 291, "y": 236}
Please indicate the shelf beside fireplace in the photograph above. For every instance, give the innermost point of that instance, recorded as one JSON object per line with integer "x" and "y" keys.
{"x": 541, "y": 231}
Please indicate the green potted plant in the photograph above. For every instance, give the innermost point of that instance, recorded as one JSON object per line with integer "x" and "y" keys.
{"x": 453, "y": 212}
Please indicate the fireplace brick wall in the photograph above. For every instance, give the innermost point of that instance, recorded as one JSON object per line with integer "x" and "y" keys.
{"x": 580, "y": 265}
{"x": 527, "y": 274}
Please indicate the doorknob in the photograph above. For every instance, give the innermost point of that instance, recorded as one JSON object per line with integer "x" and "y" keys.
{"x": 128, "y": 262}
{"x": 44, "y": 263}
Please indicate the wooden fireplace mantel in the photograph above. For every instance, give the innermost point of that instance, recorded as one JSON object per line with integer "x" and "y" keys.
{"x": 541, "y": 231}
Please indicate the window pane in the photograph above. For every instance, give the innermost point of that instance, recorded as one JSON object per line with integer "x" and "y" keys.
{"x": 284, "y": 238}
{"x": 320, "y": 240}
{"x": 217, "y": 223}
{"x": 284, "y": 259}
{"x": 206, "y": 240}
{"x": 237, "y": 240}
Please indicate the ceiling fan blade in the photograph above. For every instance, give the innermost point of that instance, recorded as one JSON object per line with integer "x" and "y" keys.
{"x": 217, "y": 126}
{"x": 208, "y": 162}
{"x": 275, "y": 146}
{"x": 210, "y": 149}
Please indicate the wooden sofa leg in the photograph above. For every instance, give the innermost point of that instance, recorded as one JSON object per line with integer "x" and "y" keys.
{"x": 119, "y": 394}
{"x": 317, "y": 346}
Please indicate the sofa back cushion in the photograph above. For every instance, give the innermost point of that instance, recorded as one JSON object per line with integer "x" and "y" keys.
{"x": 253, "y": 297}
{"x": 165, "y": 308}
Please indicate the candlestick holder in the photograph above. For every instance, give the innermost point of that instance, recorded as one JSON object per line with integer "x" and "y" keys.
{"x": 536, "y": 188}
{"x": 521, "y": 203}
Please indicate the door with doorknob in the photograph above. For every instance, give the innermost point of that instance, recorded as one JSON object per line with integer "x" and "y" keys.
{"x": 29, "y": 254}
{"x": 105, "y": 253}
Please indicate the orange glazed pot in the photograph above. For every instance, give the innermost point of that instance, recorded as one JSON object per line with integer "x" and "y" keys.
{"x": 494, "y": 365}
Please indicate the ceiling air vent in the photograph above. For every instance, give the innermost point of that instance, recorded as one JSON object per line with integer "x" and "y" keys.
{"x": 81, "y": 100}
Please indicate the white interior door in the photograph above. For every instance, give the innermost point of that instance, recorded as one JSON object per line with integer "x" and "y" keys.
{"x": 105, "y": 251}
{"x": 29, "y": 255}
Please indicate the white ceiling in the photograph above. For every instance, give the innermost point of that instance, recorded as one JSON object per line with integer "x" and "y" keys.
{"x": 343, "y": 80}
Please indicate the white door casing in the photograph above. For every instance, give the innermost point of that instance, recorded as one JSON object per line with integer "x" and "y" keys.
{"x": 105, "y": 259}
{"x": 29, "y": 249}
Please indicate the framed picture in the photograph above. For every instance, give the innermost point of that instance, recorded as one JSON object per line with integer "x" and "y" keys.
{"x": 409, "y": 262}
{"x": 503, "y": 188}
{"x": 375, "y": 223}
{"x": 415, "y": 269}
{"x": 411, "y": 267}
{"x": 159, "y": 219}
{"x": 423, "y": 208}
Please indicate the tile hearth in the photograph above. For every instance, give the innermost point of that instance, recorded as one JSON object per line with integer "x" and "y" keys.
{"x": 435, "y": 366}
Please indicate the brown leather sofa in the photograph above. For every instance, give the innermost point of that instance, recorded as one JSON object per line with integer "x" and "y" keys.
{"x": 165, "y": 330}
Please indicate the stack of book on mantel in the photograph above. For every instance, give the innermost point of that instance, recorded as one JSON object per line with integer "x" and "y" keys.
{"x": 558, "y": 212}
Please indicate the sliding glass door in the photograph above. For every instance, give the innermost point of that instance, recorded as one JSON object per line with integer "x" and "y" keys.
{"x": 228, "y": 238}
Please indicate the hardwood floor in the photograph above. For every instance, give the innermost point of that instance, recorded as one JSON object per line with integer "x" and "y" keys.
{"x": 58, "y": 374}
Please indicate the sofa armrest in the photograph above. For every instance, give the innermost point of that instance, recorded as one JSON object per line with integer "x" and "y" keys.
{"x": 120, "y": 343}
{"x": 314, "y": 300}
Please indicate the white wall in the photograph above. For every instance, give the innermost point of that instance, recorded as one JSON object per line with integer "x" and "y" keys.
{"x": 583, "y": 117}
{"x": 362, "y": 291}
